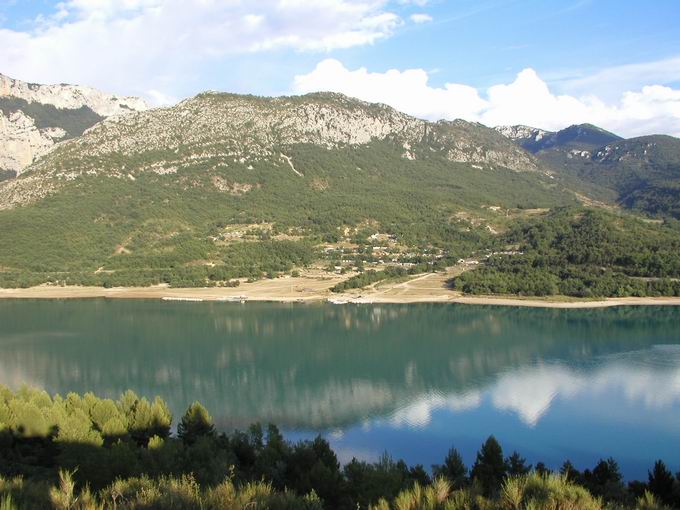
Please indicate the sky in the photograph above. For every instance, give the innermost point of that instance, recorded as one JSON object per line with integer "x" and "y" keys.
{"x": 543, "y": 63}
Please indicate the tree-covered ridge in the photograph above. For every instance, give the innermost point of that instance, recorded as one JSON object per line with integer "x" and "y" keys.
{"x": 87, "y": 452}
{"x": 583, "y": 253}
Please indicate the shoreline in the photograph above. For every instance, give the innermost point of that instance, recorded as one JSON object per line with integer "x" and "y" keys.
{"x": 300, "y": 290}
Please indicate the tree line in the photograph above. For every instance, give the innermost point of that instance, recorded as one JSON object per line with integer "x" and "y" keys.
{"x": 582, "y": 253}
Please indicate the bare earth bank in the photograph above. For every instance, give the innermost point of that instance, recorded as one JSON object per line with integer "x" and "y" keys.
{"x": 429, "y": 288}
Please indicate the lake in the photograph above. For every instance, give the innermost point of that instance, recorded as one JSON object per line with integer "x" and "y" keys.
{"x": 412, "y": 380}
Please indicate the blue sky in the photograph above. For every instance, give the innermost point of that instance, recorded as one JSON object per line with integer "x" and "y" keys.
{"x": 597, "y": 55}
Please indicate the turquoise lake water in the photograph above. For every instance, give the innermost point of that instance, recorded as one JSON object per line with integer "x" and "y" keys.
{"x": 412, "y": 380}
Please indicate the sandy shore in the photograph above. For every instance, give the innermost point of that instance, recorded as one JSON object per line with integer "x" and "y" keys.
{"x": 429, "y": 288}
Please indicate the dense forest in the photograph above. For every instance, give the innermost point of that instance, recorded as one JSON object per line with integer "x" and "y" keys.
{"x": 582, "y": 253}
{"x": 86, "y": 452}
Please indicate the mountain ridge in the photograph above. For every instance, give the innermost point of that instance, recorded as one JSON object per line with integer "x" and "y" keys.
{"x": 236, "y": 129}
{"x": 67, "y": 96}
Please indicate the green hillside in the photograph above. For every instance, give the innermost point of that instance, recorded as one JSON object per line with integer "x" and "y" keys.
{"x": 173, "y": 228}
{"x": 582, "y": 253}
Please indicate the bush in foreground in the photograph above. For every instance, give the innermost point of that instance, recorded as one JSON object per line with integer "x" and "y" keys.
{"x": 83, "y": 452}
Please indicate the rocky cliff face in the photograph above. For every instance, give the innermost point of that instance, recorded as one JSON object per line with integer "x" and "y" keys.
{"x": 33, "y": 118}
{"x": 21, "y": 141}
{"x": 520, "y": 133}
{"x": 71, "y": 97}
{"x": 233, "y": 127}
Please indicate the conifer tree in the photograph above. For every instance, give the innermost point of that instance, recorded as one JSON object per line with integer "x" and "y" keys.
{"x": 196, "y": 423}
{"x": 489, "y": 468}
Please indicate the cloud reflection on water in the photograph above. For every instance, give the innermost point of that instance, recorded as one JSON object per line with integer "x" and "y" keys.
{"x": 649, "y": 379}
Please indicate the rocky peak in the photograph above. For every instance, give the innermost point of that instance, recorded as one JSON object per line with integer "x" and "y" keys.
{"x": 578, "y": 137}
{"x": 33, "y": 117}
{"x": 522, "y": 133}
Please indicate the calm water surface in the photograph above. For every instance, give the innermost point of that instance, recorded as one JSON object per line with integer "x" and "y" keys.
{"x": 412, "y": 380}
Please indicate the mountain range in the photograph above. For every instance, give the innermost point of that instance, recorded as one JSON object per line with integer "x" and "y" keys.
{"x": 238, "y": 185}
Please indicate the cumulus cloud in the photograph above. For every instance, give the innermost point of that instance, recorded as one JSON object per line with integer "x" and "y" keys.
{"x": 159, "y": 98}
{"x": 526, "y": 100}
{"x": 407, "y": 91}
{"x": 420, "y": 18}
{"x": 150, "y": 43}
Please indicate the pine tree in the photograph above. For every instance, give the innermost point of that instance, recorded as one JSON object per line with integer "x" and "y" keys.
{"x": 569, "y": 471}
{"x": 489, "y": 469}
{"x": 453, "y": 469}
{"x": 661, "y": 482}
{"x": 196, "y": 423}
{"x": 517, "y": 465}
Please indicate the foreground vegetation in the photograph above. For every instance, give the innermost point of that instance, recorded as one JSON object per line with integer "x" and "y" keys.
{"x": 86, "y": 452}
{"x": 533, "y": 491}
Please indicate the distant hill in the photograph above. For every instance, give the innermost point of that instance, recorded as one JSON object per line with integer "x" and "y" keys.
{"x": 34, "y": 117}
{"x": 580, "y": 137}
{"x": 640, "y": 173}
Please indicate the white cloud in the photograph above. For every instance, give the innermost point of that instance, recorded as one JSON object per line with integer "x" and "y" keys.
{"x": 138, "y": 45}
{"x": 624, "y": 77}
{"x": 420, "y": 18}
{"x": 407, "y": 91}
{"x": 158, "y": 98}
{"x": 526, "y": 100}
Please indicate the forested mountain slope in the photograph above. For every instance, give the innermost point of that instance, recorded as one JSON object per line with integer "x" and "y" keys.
{"x": 158, "y": 194}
